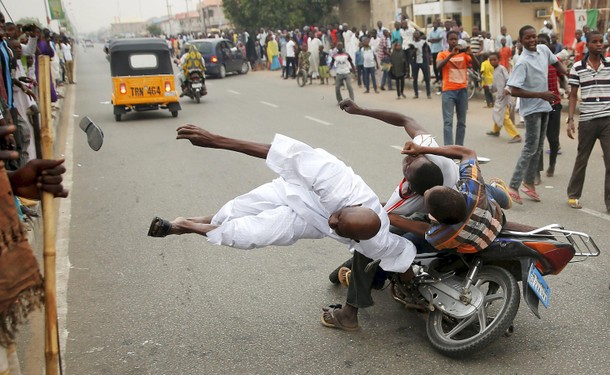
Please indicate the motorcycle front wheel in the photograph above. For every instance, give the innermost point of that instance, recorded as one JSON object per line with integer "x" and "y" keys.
{"x": 459, "y": 337}
{"x": 197, "y": 96}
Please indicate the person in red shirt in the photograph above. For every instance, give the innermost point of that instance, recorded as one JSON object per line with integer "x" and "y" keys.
{"x": 579, "y": 46}
{"x": 505, "y": 53}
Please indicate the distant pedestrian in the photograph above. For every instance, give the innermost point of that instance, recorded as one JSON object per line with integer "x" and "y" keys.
{"x": 503, "y": 102}
{"x": 370, "y": 66}
{"x": 344, "y": 65}
{"x": 454, "y": 64}
{"x": 420, "y": 61}
{"x": 398, "y": 70}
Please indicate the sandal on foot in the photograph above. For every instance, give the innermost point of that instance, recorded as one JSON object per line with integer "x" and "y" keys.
{"x": 531, "y": 193}
{"x": 329, "y": 320}
{"x": 514, "y": 196}
{"x": 159, "y": 227}
{"x": 343, "y": 276}
{"x": 574, "y": 203}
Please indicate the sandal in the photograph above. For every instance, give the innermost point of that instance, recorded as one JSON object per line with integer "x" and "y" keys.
{"x": 531, "y": 193}
{"x": 514, "y": 195}
{"x": 574, "y": 203}
{"x": 343, "y": 276}
{"x": 159, "y": 227}
{"x": 328, "y": 319}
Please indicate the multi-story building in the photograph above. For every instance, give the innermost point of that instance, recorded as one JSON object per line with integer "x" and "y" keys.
{"x": 212, "y": 15}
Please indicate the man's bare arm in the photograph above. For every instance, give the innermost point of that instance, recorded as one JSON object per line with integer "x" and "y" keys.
{"x": 393, "y": 118}
{"x": 453, "y": 152}
{"x": 412, "y": 226}
{"x": 203, "y": 138}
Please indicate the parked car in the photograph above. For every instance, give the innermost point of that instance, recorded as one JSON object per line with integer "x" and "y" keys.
{"x": 88, "y": 43}
{"x": 221, "y": 57}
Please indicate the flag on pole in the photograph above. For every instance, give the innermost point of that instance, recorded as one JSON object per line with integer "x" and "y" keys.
{"x": 56, "y": 10}
{"x": 575, "y": 20}
{"x": 556, "y": 14}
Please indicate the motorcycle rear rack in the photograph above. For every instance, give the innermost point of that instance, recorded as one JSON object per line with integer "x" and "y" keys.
{"x": 582, "y": 243}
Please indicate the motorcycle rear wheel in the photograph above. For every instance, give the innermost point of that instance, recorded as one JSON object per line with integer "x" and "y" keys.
{"x": 459, "y": 337}
{"x": 197, "y": 97}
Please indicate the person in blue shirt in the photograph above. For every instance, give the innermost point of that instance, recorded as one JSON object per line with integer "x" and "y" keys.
{"x": 435, "y": 38}
{"x": 396, "y": 37}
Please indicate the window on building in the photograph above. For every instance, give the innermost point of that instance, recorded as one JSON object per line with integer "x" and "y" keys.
{"x": 535, "y": 1}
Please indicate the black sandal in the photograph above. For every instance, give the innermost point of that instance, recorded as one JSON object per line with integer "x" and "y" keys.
{"x": 159, "y": 227}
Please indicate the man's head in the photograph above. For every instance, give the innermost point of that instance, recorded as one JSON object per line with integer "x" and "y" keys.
{"x": 494, "y": 59}
{"x": 503, "y": 30}
{"x": 475, "y": 31}
{"x": 397, "y": 25}
{"x": 445, "y": 205}
{"x": 595, "y": 42}
{"x": 528, "y": 37}
{"x": 379, "y": 24}
{"x": 421, "y": 173}
{"x": 578, "y": 35}
{"x": 416, "y": 35}
{"x": 15, "y": 45}
{"x": 452, "y": 39}
{"x": 436, "y": 23}
{"x": 355, "y": 222}
{"x": 544, "y": 39}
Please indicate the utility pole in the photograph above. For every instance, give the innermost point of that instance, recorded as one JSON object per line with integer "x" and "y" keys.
{"x": 169, "y": 16}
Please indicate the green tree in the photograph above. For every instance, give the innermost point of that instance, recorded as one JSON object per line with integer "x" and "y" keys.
{"x": 154, "y": 30}
{"x": 253, "y": 14}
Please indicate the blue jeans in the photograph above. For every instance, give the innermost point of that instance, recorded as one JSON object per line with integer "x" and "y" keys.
{"x": 385, "y": 77}
{"x": 458, "y": 100}
{"x": 369, "y": 75}
{"x": 527, "y": 165}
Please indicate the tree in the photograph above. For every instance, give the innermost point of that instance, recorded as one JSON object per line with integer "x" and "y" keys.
{"x": 253, "y": 14}
{"x": 154, "y": 30}
{"x": 29, "y": 21}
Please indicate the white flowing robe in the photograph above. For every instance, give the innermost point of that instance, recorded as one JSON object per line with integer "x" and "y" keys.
{"x": 312, "y": 185}
{"x": 313, "y": 46}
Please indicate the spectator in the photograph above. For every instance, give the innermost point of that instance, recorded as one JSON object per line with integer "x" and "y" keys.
{"x": 503, "y": 35}
{"x": 420, "y": 52}
{"x": 454, "y": 65}
{"x": 503, "y": 102}
{"x": 435, "y": 38}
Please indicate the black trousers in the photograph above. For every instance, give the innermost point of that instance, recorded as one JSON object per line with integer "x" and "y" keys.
{"x": 552, "y": 135}
{"x": 291, "y": 66}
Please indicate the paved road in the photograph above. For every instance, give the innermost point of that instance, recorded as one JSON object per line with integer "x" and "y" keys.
{"x": 138, "y": 305}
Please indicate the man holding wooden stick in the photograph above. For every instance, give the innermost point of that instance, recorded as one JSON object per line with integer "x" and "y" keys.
{"x": 21, "y": 286}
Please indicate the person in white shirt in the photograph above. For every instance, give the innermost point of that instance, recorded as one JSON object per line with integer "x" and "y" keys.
{"x": 315, "y": 196}
{"x": 291, "y": 61}
{"x": 503, "y": 35}
{"x": 344, "y": 65}
{"x": 66, "y": 50}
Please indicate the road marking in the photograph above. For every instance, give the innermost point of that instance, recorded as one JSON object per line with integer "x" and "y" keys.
{"x": 399, "y": 148}
{"x": 595, "y": 213}
{"x": 234, "y": 92}
{"x": 318, "y": 120}
{"x": 269, "y": 104}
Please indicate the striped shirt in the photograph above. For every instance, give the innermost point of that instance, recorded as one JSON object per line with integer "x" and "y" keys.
{"x": 484, "y": 219}
{"x": 594, "y": 88}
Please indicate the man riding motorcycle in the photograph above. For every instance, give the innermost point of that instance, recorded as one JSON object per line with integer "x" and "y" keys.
{"x": 189, "y": 62}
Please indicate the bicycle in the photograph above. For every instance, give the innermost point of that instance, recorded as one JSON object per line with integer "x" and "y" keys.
{"x": 474, "y": 82}
{"x": 302, "y": 77}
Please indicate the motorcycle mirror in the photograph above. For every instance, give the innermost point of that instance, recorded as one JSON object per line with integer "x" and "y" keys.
{"x": 95, "y": 135}
{"x": 483, "y": 160}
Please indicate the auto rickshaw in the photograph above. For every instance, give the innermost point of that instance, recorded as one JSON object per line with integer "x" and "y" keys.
{"x": 142, "y": 76}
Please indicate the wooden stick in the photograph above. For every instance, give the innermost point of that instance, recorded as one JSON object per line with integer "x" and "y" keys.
{"x": 48, "y": 215}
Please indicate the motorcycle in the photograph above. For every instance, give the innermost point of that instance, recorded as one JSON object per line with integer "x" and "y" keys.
{"x": 472, "y": 299}
{"x": 195, "y": 87}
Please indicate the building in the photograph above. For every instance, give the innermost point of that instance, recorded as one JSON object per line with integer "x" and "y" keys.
{"x": 189, "y": 22}
{"x": 128, "y": 29}
{"x": 212, "y": 15}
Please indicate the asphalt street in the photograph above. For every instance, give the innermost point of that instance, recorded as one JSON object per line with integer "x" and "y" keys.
{"x": 178, "y": 305}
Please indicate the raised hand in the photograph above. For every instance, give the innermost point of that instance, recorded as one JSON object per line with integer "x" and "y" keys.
{"x": 197, "y": 136}
{"x": 411, "y": 148}
{"x": 349, "y": 106}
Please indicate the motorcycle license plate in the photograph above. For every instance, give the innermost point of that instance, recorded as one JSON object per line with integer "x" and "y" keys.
{"x": 197, "y": 85}
{"x": 538, "y": 285}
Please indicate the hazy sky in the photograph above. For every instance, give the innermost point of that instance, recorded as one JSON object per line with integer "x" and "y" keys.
{"x": 91, "y": 15}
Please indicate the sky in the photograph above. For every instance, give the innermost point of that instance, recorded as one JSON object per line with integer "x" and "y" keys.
{"x": 91, "y": 15}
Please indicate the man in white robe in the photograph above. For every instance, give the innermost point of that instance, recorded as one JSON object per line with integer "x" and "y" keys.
{"x": 315, "y": 196}
{"x": 313, "y": 46}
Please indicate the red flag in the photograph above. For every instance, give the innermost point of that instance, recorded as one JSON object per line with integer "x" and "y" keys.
{"x": 569, "y": 28}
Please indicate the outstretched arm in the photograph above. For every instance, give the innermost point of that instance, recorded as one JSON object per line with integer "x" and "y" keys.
{"x": 203, "y": 138}
{"x": 453, "y": 152}
{"x": 393, "y": 118}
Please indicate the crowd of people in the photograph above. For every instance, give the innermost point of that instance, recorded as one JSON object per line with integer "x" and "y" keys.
{"x": 443, "y": 59}
{"x": 23, "y": 174}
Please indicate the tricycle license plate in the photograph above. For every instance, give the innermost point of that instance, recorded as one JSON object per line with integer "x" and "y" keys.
{"x": 145, "y": 91}
{"x": 538, "y": 285}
